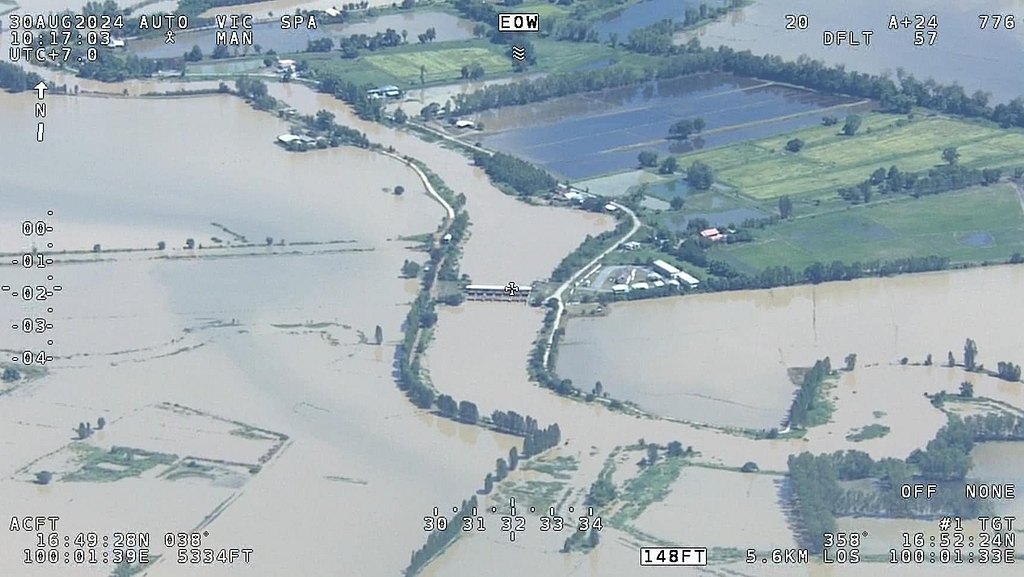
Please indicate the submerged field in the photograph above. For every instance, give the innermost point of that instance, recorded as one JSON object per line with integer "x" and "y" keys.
{"x": 588, "y": 135}
{"x": 723, "y": 358}
{"x": 763, "y": 169}
{"x": 973, "y": 225}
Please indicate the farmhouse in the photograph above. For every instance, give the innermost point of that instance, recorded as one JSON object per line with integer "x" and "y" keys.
{"x": 712, "y": 234}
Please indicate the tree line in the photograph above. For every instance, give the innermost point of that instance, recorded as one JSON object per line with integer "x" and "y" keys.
{"x": 448, "y": 254}
{"x": 521, "y": 176}
{"x": 14, "y": 79}
{"x": 895, "y": 95}
{"x": 996, "y": 426}
{"x": 818, "y": 496}
{"x": 933, "y": 181}
{"x": 810, "y": 396}
{"x": 776, "y": 276}
{"x": 1008, "y": 371}
{"x": 421, "y": 315}
{"x": 439, "y": 539}
{"x": 332, "y": 82}
{"x": 255, "y": 91}
{"x": 588, "y": 249}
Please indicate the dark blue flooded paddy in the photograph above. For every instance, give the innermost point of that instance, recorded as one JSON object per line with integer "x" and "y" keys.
{"x": 978, "y": 239}
{"x": 589, "y": 135}
{"x": 647, "y": 13}
{"x": 269, "y": 35}
{"x": 669, "y": 190}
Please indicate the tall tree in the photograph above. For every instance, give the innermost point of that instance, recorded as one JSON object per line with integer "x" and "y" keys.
{"x": 652, "y": 454}
{"x": 647, "y": 158}
{"x": 852, "y": 124}
{"x": 379, "y": 335}
{"x": 966, "y": 389}
{"x": 970, "y": 354}
{"x": 700, "y": 176}
{"x": 468, "y": 412}
{"x": 951, "y": 155}
{"x": 669, "y": 165}
{"x": 785, "y": 206}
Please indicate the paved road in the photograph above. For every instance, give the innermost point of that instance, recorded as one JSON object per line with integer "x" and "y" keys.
{"x": 426, "y": 182}
{"x": 560, "y": 306}
{"x": 451, "y": 138}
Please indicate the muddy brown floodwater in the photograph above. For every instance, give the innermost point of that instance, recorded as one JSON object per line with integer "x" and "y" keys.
{"x": 723, "y": 358}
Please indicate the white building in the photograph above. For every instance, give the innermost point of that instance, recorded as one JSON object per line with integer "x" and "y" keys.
{"x": 666, "y": 268}
{"x": 691, "y": 281}
{"x": 464, "y": 123}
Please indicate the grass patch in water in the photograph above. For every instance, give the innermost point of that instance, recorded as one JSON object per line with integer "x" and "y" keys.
{"x": 99, "y": 466}
{"x": 872, "y": 431}
{"x": 558, "y": 467}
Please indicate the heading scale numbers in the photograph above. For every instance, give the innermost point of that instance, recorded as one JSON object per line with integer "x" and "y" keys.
{"x": 512, "y": 523}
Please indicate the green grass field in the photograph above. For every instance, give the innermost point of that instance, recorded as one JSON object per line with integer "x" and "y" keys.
{"x": 976, "y": 224}
{"x": 441, "y": 64}
{"x": 401, "y": 66}
{"x": 443, "y": 61}
{"x": 763, "y": 169}
{"x": 545, "y": 9}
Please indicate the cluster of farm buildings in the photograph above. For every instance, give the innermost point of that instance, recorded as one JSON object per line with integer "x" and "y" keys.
{"x": 660, "y": 274}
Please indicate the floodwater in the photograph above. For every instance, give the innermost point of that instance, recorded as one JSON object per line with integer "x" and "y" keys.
{"x": 893, "y": 396}
{"x": 584, "y": 136}
{"x": 964, "y": 53}
{"x": 699, "y": 491}
{"x": 47, "y": 6}
{"x": 170, "y": 200}
{"x": 722, "y": 358}
{"x": 509, "y": 239}
{"x": 491, "y": 341}
{"x": 131, "y": 331}
{"x": 646, "y": 13}
{"x": 279, "y": 7}
{"x": 1000, "y": 462}
{"x": 147, "y": 338}
{"x": 269, "y": 35}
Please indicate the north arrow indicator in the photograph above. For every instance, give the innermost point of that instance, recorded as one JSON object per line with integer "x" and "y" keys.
{"x": 41, "y": 89}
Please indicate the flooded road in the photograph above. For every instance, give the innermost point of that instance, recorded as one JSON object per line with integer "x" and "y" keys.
{"x": 962, "y": 52}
